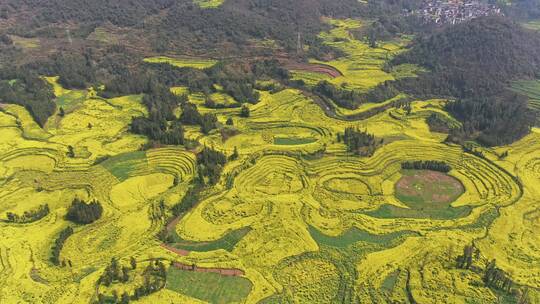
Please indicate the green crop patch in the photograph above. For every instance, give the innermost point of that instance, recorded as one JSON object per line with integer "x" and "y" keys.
{"x": 227, "y": 242}
{"x": 531, "y": 89}
{"x": 123, "y": 165}
{"x": 292, "y": 141}
{"x": 354, "y": 235}
{"x": 210, "y": 287}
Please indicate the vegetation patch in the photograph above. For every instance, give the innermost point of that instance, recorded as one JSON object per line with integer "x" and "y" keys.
{"x": 122, "y": 166}
{"x": 531, "y": 89}
{"x": 354, "y": 235}
{"x": 227, "y": 242}
{"x": 208, "y": 286}
{"x": 347, "y": 185}
{"x": 428, "y": 194}
{"x": 293, "y": 141}
{"x": 208, "y": 3}
{"x": 184, "y": 62}
{"x": 420, "y": 188}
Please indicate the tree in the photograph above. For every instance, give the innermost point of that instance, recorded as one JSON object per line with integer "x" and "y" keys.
{"x": 125, "y": 274}
{"x": 133, "y": 263}
{"x": 82, "y": 213}
{"x": 229, "y": 121}
{"x": 208, "y": 122}
{"x": 29, "y": 216}
{"x": 234, "y": 155}
{"x": 70, "y": 152}
{"x": 61, "y": 112}
{"x": 360, "y": 142}
{"x": 101, "y": 298}
{"x": 59, "y": 243}
{"x": 245, "y": 112}
{"x": 209, "y": 102}
{"x": 115, "y": 296}
{"x": 125, "y": 298}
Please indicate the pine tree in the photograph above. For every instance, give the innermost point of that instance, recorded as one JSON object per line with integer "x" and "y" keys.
{"x": 245, "y": 112}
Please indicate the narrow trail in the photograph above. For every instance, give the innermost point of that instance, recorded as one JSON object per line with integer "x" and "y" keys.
{"x": 313, "y": 67}
{"x": 228, "y": 272}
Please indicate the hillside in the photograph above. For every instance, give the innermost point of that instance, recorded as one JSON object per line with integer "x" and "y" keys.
{"x": 476, "y": 62}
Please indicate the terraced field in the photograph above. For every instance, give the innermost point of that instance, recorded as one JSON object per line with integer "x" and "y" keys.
{"x": 295, "y": 219}
{"x": 208, "y": 3}
{"x": 197, "y": 63}
{"x": 530, "y": 88}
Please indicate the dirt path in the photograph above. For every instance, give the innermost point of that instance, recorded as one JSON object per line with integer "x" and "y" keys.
{"x": 229, "y": 272}
{"x": 314, "y": 67}
{"x": 181, "y": 252}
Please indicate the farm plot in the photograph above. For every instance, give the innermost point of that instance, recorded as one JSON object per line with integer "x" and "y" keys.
{"x": 531, "y": 89}
{"x": 209, "y": 287}
{"x": 362, "y": 65}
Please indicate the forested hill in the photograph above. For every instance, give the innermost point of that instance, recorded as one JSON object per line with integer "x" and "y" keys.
{"x": 491, "y": 46}
{"x": 182, "y": 24}
{"x": 475, "y": 63}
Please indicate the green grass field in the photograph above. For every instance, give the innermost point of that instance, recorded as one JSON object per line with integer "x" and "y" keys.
{"x": 209, "y": 287}
{"x": 533, "y": 25}
{"x": 531, "y": 89}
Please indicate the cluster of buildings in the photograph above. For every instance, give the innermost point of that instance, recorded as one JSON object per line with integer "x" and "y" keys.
{"x": 455, "y": 11}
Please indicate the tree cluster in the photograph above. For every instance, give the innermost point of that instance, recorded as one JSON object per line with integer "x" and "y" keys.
{"x": 495, "y": 277}
{"x": 59, "y": 243}
{"x": 115, "y": 272}
{"x": 28, "y": 216}
{"x": 5, "y": 39}
{"x": 349, "y": 99}
{"x": 27, "y": 89}
{"x": 492, "y": 121}
{"x": 352, "y": 99}
{"x": 360, "y": 142}
{"x": 154, "y": 275}
{"x": 81, "y": 212}
{"x": 188, "y": 201}
{"x": 465, "y": 260}
{"x": 433, "y": 165}
{"x": 210, "y": 164}
{"x": 437, "y": 123}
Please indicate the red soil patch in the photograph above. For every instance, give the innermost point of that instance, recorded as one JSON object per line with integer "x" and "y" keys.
{"x": 181, "y": 252}
{"x": 315, "y": 67}
{"x": 430, "y": 181}
{"x": 230, "y": 272}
